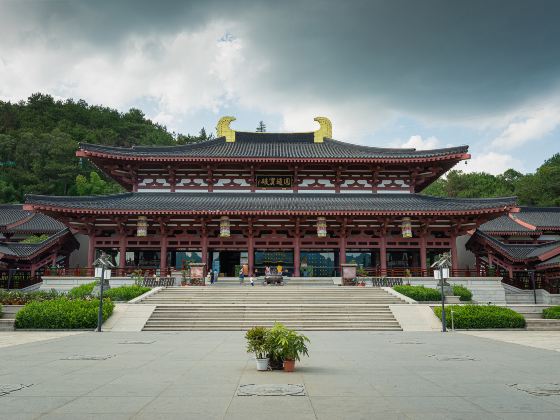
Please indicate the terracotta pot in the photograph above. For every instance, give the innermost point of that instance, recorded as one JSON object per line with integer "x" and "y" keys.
{"x": 289, "y": 365}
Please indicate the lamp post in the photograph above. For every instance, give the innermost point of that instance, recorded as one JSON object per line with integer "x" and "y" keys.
{"x": 103, "y": 271}
{"x": 441, "y": 272}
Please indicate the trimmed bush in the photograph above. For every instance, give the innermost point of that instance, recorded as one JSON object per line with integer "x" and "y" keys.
{"x": 478, "y": 317}
{"x": 551, "y": 313}
{"x": 0, "y": 311}
{"x": 465, "y": 295}
{"x": 82, "y": 291}
{"x": 419, "y": 293}
{"x": 16, "y": 297}
{"x": 125, "y": 293}
{"x": 62, "y": 313}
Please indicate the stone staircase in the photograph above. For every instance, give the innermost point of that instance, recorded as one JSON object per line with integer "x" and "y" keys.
{"x": 289, "y": 281}
{"x": 8, "y": 317}
{"x": 302, "y": 308}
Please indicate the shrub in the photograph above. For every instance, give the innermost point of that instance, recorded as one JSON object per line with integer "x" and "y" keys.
{"x": 16, "y": 297}
{"x": 125, "y": 293}
{"x": 551, "y": 313}
{"x": 287, "y": 344}
{"x": 465, "y": 295}
{"x": 62, "y": 313}
{"x": 419, "y": 293}
{"x": 258, "y": 342}
{"x": 82, "y": 291}
{"x": 473, "y": 316}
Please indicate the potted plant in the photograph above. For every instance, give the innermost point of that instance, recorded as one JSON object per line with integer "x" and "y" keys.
{"x": 258, "y": 342}
{"x": 288, "y": 345}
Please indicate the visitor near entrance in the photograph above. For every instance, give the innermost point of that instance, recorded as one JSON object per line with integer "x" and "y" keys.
{"x": 241, "y": 276}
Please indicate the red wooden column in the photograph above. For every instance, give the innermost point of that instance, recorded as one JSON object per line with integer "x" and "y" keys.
{"x": 204, "y": 244}
{"x": 91, "y": 250}
{"x": 342, "y": 244}
{"x": 477, "y": 265}
{"x": 383, "y": 254}
{"x": 454, "y": 258}
{"x": 163, "y": 256}
{"x": 250, "y": 248}
{"x": 122, "y": 253}
{"x": 297, "y": 250}
{"x": 423, "y": 264}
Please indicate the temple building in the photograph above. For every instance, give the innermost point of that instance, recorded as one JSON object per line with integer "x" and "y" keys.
{"x": 521, "y": 247}
{"x": 302, "y": 202}
{"x": 21, "y": 258}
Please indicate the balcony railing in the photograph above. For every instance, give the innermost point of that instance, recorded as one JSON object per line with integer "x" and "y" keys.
{"x": 17, "y": 279}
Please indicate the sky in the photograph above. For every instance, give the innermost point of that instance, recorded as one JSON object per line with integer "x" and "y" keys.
{"x": 387, "y": 73}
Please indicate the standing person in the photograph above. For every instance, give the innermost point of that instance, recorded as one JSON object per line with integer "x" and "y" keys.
{"x": 279, "y": 269}
{"x": 251, "y": 279}
{"x": 209, "y": 277}
{"x": 241, "y": 276}
{"x": 215, "y": 276}
{"x": 267, "y": 271}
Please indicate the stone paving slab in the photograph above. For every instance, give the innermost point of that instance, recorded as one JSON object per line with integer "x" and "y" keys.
{"x": 14, "y": 338}
{"x": 350, "y": 375}
{"x": 549, "y": 340}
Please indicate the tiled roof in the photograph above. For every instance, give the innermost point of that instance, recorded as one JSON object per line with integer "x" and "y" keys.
{"x": 201, "y": 203}
{"x": 554, "y": 261}
{"x": 520, "y": 251}
{"x": 12, "y": 213}
{"x": 21, "y": 250}
{"x": 26, "y": 222}
{"x": 540, "y": 217}
{"x": 273, "y": 145}
{"x": 504, "y": 224}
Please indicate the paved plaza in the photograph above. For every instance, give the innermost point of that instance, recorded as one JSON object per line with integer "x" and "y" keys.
{"x": 350, "y": 375}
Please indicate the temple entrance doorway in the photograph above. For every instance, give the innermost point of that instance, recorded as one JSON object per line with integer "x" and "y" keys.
{"x": 229, "y": 262}
{"x": 275, "y": 260}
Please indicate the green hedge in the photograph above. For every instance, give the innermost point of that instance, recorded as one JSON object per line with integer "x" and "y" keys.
{"x": 551, "y": 313}
{"x": 419, "y": 293}
{"x": 121, "y": 293}
{"x": 478, "y": 317}
{"x": 62, "y": 313}
{"x": 0, "y": 311}
{"x": 465, "y": 295}
{"x": 82, "y": 291}
{"x": 17, "y": 297}
{"x": 125, "y": 293}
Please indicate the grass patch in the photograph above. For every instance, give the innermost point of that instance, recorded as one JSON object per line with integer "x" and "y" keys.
{"x": 465, "y": 295}
{"x": 418, "y": 293}
{"x": 63, "y": 313}
{"x": 551, "y": 313}
{"x": 480, "y": 317}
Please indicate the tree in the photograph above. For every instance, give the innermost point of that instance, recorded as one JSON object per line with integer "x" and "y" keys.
{"x": 261, "y": 128}
{"x": 95, "y": 185}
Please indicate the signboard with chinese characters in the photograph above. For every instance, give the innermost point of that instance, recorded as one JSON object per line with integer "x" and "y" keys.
{"x": 274, "y": 181}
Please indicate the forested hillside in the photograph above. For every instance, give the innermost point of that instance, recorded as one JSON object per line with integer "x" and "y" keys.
{"x": 539, "y": 189}
{"x": 39, "y": 138}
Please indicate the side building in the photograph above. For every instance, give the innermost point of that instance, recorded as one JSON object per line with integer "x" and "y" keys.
{"x": 303, "y": 202}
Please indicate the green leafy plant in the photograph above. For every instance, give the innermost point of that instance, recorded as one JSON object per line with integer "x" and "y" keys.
{"x": 419, "y": 293}
{"x": 465, "y": 295}
{"x": 62, "y": 313}
{"x": 475, "y": 316}
{"x": 259, "y": 342}
{"x": 35, "y": 239}
{"x": 551, "y": 313}
{"x": 287, "y": 344}
{"x": 81, "y": 291}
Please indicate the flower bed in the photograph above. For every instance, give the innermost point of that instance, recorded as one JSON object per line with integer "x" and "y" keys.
{"x": 62, "y": 313}
{"x": 480, "y": 317}
{"x": 16, "y": 297}
{"x": 551, "y": 313}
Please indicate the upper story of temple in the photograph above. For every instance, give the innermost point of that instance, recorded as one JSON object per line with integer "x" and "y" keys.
{"x": 273, "y": 162}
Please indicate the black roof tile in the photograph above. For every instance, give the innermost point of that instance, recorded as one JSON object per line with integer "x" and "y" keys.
{"x": 503, "y": 224}
{"x": 257, "y": 202}
{"x": 273, "y": 145}
{"x": 540, "y": 217}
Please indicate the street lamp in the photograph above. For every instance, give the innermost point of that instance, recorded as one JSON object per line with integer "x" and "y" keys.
{"x": 441, "y": 272}
{"x": 103, "y": 272}
{"x": 532, "y": 275}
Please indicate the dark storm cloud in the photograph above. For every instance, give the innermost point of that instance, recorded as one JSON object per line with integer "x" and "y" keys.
{"x": 438, "y": 57}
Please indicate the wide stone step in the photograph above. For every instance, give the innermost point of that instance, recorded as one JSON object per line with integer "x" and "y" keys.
{"x": 297, "y": 327}
{"x": 543, "y": 324}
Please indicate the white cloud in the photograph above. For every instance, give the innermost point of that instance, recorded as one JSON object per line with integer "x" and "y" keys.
{"x": 492, "y": 163}
{"x": 417, "y": 142}
{"x": 528, "y": 126}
